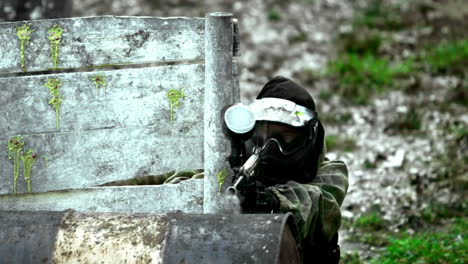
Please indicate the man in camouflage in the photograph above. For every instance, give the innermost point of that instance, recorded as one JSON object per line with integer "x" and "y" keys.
{"x": 294, "y": 174}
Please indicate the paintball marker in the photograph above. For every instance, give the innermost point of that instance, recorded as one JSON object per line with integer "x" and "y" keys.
{"x": 252, "y": 194}
{"x": 246, "y": 174}
{"x": 240, "y": 121}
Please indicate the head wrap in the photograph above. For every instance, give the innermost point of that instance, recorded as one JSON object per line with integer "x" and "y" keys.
{"x": 303, "y": 165}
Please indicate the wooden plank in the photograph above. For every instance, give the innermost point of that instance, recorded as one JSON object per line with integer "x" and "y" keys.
{"x": 117, "y": 135}
{"x": 103, "y": 40}
{"x": 186, "y": 196}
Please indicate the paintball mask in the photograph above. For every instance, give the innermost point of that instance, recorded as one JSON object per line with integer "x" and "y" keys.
{"x": 283, "y": 136}
{"x": 282, "y": 125}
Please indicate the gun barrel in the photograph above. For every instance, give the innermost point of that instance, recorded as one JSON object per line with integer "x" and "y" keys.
{"x": 231, "y": 191}
{"x": 233, "y": 188}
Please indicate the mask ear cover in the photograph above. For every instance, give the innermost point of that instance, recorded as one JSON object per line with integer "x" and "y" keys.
{"x": 300, "y": 166}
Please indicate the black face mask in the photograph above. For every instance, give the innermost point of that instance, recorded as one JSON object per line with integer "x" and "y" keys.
{"x": 281, "y": 159}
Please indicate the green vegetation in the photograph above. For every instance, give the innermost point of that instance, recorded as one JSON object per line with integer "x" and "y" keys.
{"x": 370, "y": 222}
{"x": 437, "y": 213}
{"x": 362, "y": 76}
{"x": 274, "y": 15}
{"x": 335, "y": 142}
{"x": 448, "y": 57}
{"x": 369, "y": 229}
{"x": 447, "y": 246}
{"x": 445, "y": 243}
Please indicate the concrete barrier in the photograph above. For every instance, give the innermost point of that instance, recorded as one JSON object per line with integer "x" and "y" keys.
{"x": 74, "y": 237}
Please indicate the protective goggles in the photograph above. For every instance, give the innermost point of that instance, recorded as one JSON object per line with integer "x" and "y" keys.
{"x": 288, "y": 139}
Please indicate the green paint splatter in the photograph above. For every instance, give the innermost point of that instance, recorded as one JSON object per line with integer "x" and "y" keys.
{"x": 221, "y": 178}
{"x": 297, "y": 113}
{"x": 99, "y": 82}
{"x": 24, "y": 34}
{"x": 28, "y": 158}
{"x": 55, "y": 36}
{"x": 54, "y": 84}
{"x": 14, "y": 146}
{"x": 174, "y": 97}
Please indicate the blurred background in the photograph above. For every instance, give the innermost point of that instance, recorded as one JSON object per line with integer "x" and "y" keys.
{"x": 390, "y": 83}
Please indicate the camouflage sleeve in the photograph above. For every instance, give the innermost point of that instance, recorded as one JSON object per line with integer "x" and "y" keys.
{"x": 316, "y": 205}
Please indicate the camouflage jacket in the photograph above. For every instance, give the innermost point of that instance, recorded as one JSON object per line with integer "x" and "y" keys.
{"x": 316, "y": 205}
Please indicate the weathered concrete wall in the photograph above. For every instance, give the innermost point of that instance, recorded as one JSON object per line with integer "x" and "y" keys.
{"x": 93, "y": 41}
{"x": 186, "y": 196}
{"x": 123, "y": 132}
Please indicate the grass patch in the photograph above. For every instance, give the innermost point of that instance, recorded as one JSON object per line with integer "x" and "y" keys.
{"x": 274, "y": 15}
{"x": 370, "y": 222}
{"x": 335, "y": 142}
{"x": 447, "y": 246}
{"x": 360, "y": 77}
{"x": 438, "y": 212}
{"x": 370, "y": 229}
{"x": 448, "y": 57}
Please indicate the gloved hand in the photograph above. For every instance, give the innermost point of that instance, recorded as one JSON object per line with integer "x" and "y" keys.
{"x": 257, "y": 198}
